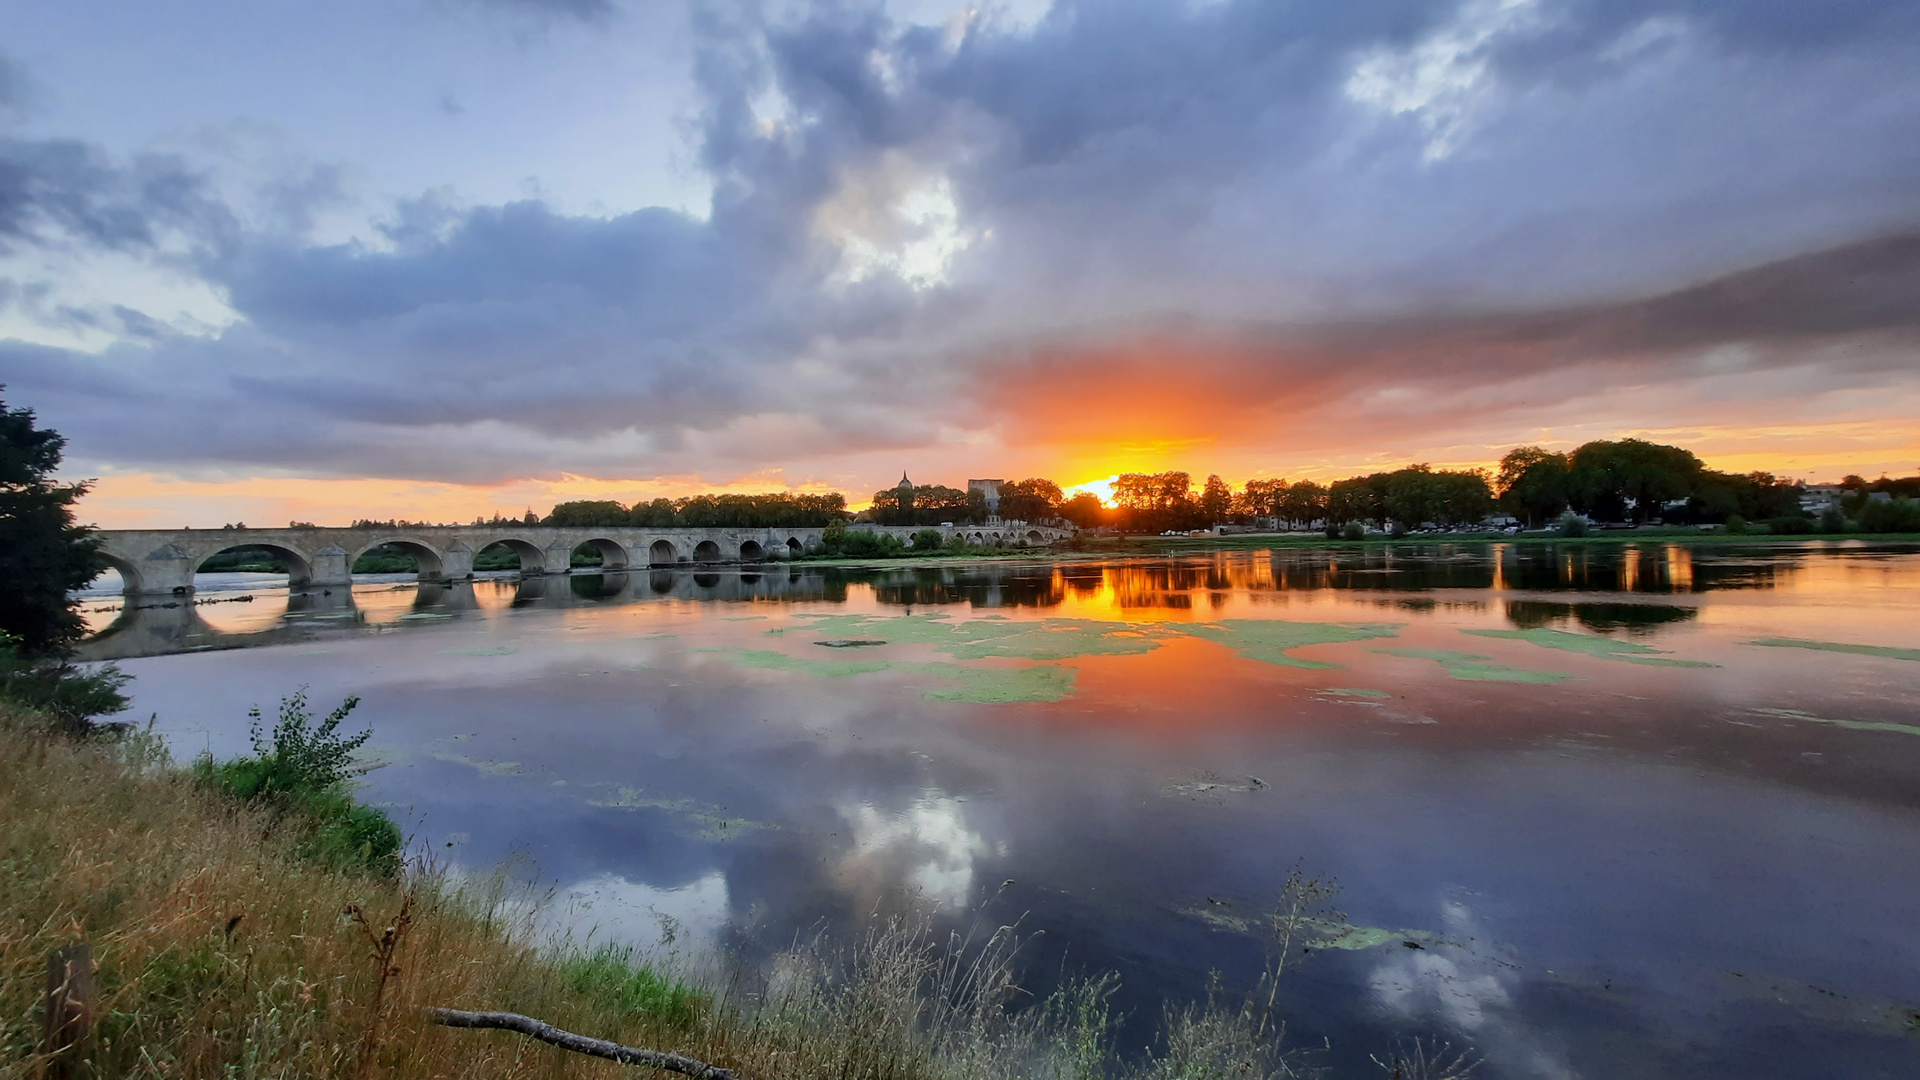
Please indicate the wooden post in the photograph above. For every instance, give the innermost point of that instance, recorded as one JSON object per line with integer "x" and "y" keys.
{"x": 69, "y": 1009}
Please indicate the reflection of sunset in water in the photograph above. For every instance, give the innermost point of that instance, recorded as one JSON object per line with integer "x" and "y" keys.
{"x": 1625, "y": 768}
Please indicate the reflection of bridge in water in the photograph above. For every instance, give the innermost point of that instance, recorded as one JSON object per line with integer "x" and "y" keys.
{"x": 1537, "y": 586}
{"x": 178, "y": 625}
{"x": 165, "y": 560}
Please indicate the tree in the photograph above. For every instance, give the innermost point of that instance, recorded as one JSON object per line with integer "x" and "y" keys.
{"x": 1032, "y": 499}
{"x": 1084, "y": 510}
{"x": 1630, "y": 478}
{"x": 1304, "y": 503}
{"x": 1263, "y": 497}
{"x": 1534, "y": 484}
{"x": 44, "y": 555}
{"x": 1216, "y": 501}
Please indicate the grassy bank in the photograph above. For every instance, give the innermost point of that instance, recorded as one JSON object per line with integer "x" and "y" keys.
{"x": 227, "y": 945}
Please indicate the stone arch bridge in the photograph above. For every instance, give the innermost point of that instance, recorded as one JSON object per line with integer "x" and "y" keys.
{"x": 165, "y": 560}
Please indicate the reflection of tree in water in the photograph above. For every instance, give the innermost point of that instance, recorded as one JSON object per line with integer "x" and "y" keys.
{"x": 1635, "y": 619}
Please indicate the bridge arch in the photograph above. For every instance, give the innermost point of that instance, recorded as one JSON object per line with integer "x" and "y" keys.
{"x": 1033, "y": 536}
{"x": 612, "y": 555}
{"x": 129, "y": 573}
{"x": 299, "y": 566}
{"x": 532, "y": 559}
{"x": 427, "y": 560}
{"x": 661, "y": 553}
{"x": 751, "y": 551}
{"x": 794, "y": 547}
{"x": 706, "y": 551}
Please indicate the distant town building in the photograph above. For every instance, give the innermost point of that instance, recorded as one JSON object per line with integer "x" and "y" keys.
{"x": 989, "y": 490}
{"x": 1819, "y": 498}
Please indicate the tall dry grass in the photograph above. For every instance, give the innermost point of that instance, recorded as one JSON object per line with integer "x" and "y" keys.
{"x": 222, "y": 952}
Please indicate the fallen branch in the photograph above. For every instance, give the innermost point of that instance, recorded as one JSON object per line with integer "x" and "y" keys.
{"x": 581, "y": 1044}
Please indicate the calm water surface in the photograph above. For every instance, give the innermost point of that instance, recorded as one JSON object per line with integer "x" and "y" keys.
{"x": 1626, "y": 840}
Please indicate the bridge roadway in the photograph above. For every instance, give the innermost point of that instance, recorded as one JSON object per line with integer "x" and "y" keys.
{"x": 165, "y": 560}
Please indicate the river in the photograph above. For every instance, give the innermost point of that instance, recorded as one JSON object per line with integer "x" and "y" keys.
{"x": 1594, "y": 810}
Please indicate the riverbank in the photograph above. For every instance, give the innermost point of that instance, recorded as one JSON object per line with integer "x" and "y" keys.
{"x": 221, "y": 947}
{"x": 1108, "y": 547}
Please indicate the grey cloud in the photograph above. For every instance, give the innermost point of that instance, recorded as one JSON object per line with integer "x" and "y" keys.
{"x": 584, "y": 10}
{"x": 1123, "y": 171}
{"x": 64, "y": 190}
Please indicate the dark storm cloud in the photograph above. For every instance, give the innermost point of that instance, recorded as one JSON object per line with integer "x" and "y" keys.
{"x": 1119, "y": 171}
{"x": 584, "y": 10}
{"x": 63, "y": 189}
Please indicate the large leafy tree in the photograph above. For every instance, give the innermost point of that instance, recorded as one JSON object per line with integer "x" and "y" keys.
{"x": 44, "y": 555}
{"x": 1534, "y": 483}
{"x": 1631, "y": 478}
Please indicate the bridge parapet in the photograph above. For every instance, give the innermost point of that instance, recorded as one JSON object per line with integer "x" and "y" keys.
{"x": 165, "y": 560}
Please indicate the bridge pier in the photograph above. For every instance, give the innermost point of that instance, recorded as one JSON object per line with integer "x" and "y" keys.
{"x": 332, "y": 568}
{"x": 457, "y": 563}
{"x": 166, "y": 569}
{"x": 559, "y": 558}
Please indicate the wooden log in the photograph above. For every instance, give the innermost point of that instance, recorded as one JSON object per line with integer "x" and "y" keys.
{"x": 69, "y": 1009}
{"x": 581, "y": 1044}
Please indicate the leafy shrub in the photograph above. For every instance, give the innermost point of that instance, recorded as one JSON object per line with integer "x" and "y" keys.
{"x": 1353, "y": 530}
{"x": 1736, "y": 524}
{"x": 302, "y": 769}
{"x": 956, "y": 542}
{"x": 1790, "y": 526}
{"x": 1572, "y": 524}
{"x": 1892, "y": 516}
{"x": 1832, "y": 520}
{"x": 70, "y": 695}
{"x": 927, "y": 540}
{"x": 299, "y": 756}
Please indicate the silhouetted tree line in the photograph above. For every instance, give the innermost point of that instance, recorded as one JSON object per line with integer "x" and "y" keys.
{"x": 773, "y": 510}
{"x": 1638, "y": 481}
{"x": 1623, "y": 480}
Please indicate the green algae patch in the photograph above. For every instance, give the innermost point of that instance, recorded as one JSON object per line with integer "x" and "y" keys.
{"x": 1605, "y": 648}
{"x": 1856, "y": 725}
{"x": 1351, "y": 692}
{"x": 1471, "y": 667}
{"x": 483, "y": 767}
{"x": 1270, "y": 641}
{"x": 997, "y": 685}
{"x": 1309, "y": 933}
{"x": 1886, "y": 651}
{"x": 979, "y": 684}
{"x": 979, "y": 639}
{"x": 768, "y": 660}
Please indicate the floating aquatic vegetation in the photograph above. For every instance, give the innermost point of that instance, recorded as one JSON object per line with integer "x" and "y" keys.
{"x": 1211, "y": 783}
{"x": 998, "y": 685}
{"x": 1605, "y": 648}
{"x": 977, "y": 639}
{"x": 1270, "y": 641}
{"x": 1887, "y": 651}
{"x": 1473, "y": 667}
{"x": 851, "y": 643}
{"x": 769, "y": 660}
{"x": 483, "y": 767}
{"x": 981, "y": 684}
{"x": 497, "y": 650}
{"x": 744, "y": 618}
{"x": 1311, "y": 933}
{"x": 1351, "y": 692}
{"x": 1857, "y": 725}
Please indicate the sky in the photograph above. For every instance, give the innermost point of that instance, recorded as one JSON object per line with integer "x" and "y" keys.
{"x": 441, "y": 258}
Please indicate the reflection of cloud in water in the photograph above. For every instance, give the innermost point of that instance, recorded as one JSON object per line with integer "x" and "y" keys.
{"x": 612, "y": 908}
{"x": 1469, "y": 994}
{"x": 931, "y": 838}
